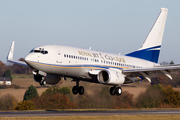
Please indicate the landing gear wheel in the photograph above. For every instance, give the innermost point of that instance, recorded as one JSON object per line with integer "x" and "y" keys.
{"x": 112, "y": 90}
{"x": 118, "y": 91}
{"x": 42, "y": 82}
{"x": 75, "y": 90}
{"x": 81, "y": 90}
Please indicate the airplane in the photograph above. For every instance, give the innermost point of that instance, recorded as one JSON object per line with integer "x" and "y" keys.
{"x": 50, "y": 63}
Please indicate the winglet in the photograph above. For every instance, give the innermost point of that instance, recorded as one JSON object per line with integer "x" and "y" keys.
{"x": 11, "y": 52}
{"x": 10, "y": 56}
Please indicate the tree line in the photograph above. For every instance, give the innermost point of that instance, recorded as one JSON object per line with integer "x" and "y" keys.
{"x": 155, "y": 96}
{"x": 14, "y": 69}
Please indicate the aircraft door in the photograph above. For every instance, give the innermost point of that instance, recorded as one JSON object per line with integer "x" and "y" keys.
{"x": 59, "y": 57}
{"x": 38, "y": 58}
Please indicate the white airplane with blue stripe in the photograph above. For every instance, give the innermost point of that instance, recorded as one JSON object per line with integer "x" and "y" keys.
{"x": 51, "y": 63}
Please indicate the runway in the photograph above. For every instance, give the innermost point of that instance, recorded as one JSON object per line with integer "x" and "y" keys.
{"x": 87, "y": 113}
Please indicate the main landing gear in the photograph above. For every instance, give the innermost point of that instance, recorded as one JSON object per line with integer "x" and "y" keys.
{"x": 78, "y": 89}
{"x": 115, "y": 90}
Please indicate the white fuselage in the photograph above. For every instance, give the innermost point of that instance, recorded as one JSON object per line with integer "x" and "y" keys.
{"x": 76, "y": 62}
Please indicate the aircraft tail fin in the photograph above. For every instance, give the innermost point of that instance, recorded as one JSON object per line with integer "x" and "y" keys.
{"x": 150, "y": 49}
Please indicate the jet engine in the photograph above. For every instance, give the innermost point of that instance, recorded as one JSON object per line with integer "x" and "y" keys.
{"x": 49, "y": 78}
{"x": 111, "y": 76}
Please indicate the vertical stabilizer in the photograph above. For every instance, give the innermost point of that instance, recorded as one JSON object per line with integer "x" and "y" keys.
{"x": 155, "y": 36}
{"x": 151, "y": 47}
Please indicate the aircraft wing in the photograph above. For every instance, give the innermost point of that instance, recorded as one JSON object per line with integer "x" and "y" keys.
{"x": 147, "y": 73}
{"x": 10, "y": 56}
{"x": 134, "y": 75}
{"x": 18, "y": 62}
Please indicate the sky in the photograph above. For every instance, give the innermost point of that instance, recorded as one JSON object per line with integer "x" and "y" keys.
{"x": 114, "y": 26}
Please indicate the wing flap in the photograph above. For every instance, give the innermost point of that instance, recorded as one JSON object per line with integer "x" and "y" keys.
{"x": 157, "y": 68}
{"x": 148, "y": 73}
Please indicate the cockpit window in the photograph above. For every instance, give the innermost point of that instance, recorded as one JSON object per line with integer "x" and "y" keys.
{"x": 39, "y": 51}
{"x": 31, "y": 51}
{"x": 44, "y": 52}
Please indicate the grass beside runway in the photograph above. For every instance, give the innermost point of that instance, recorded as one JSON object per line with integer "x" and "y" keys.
{"x": 113, "y": 117}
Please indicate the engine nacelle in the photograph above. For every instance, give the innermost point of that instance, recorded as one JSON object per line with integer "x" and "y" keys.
{"x": 49, "y": 78}
{"x": 110, "y": 76}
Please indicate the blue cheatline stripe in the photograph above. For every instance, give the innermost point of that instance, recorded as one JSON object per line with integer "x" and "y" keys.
{"x": 147, "y": 54}
{"x": 79, "y": 66}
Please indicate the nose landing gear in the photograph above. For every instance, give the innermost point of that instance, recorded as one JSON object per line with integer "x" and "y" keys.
{"x": 42, "y": 82}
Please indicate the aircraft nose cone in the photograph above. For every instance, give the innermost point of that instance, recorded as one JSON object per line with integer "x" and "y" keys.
{"x": 29, "y": 57}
